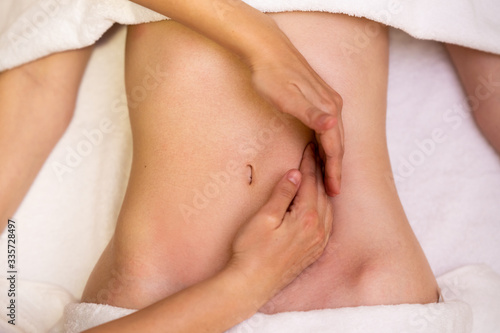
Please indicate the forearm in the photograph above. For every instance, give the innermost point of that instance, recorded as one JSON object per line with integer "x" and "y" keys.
{"x": 231, "y": 23}
{"x": 213, "y": 305}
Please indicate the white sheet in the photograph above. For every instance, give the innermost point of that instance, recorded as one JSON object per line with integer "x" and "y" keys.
{"x": 451, "y": 198}
{"x": 47, "y": 26}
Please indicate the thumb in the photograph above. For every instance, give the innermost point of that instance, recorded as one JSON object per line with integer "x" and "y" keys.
{"x": 282, "y": 195}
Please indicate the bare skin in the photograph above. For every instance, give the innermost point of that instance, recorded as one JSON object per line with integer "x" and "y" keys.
{"x": 268, "y": 252}
{"x": 204, "y": 119}
{"x": 50, "y": 81}
{"x": 38, "y": 100}
{"x": 480, "y": 75}
{"x": 280, "y": 73}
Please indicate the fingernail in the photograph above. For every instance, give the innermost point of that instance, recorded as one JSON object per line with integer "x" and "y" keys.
{"x": 294, "y": 176}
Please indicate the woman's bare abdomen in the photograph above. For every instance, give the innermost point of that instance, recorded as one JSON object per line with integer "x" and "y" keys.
{"x": 208, "y": 150}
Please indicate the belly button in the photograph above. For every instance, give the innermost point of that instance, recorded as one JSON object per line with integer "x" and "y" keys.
{"x": 250, "y": 174}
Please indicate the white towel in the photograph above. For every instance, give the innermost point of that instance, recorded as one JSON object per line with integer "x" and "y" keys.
{"x": 473, "y": 305}
{"x": 37, "y": 306}
{"x": 452, "y": 317}
{"x": 451, "y": 198}
{"x": 82, "y": 316}
{"x": 49, "y": 26}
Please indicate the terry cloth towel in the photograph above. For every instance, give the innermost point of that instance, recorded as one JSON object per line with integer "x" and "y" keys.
{"x": 48, "y": 26}
{"x": 472, "y": 304}
{"x": 452, "y": 317}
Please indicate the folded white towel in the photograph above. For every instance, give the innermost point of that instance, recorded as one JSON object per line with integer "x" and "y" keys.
{"x": 479, "y": 287}
{"x": 82, "y": 316}
{"x": 473, "y": 305}
{"x": 450, "y": 317}
{"x": 48, "y": 26}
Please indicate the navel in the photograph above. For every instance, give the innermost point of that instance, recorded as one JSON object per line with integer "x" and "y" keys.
{"x": 250, "y": 174}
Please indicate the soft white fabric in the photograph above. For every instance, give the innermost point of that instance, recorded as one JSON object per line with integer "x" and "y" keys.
{"x": 38, "y": 307}
{"x": 452, "y": 317}
{"x": 472, "y": 304}
{"x": 450, "y": 192}
{"x": 472, "y": 23}
{"x": 48, "y": 26}
{"x": 479, "y": 287}
{"x": 82, "y": 316}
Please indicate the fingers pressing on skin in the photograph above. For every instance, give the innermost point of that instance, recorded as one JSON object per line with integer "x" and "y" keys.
{"x": 331, "y": 143}
{"x": 324, "y": 116}
{"x": 312, "y": 188}
{"x": 324, "y": 203}
{"x": 299, "y": 106}
{"x": 282, "y": 195}
{"x": 281, "y": 240}
{"x": 329, "y": 131}
{"x": 332, "y": 151}
{"x": 308, "y": 192}
{"x": 294, "y": 88}
{"x": 311, "y": 202}
{"x": 326, "y": 104}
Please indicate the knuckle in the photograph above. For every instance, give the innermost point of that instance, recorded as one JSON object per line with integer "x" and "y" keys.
{"x": 339, "y": 101}
{"x": 333, "y": 102}
{"x": 320, "y": 236}
{"x": 310, "y": 217}
{"x": 311, "y": 112}
{"x": 270, "y": 218}
{"x": 328, "y": 102}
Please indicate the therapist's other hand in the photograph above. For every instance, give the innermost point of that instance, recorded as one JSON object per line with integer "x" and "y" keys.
{"x": 284, "y": 77}
{"x": 290, "y": 231}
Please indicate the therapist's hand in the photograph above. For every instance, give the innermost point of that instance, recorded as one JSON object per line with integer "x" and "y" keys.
{"x": 283, "y": 77}
{"x": 279, "y": 72}
{"x": 285, "y": 237}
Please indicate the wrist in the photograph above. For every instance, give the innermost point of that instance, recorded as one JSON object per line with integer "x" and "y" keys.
{"x": 253, "y": 282}
{"x": 260, "y": 39}
{"x": 269, "y": 47}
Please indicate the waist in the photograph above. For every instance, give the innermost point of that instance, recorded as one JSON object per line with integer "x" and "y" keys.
{"x": 183, "y": 206}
